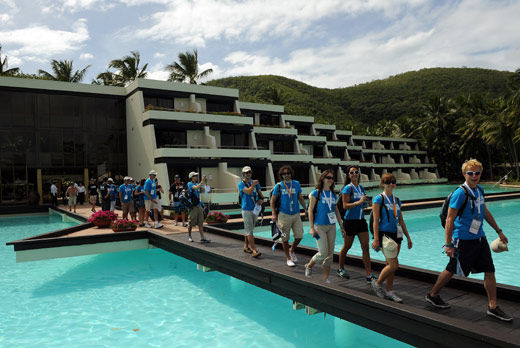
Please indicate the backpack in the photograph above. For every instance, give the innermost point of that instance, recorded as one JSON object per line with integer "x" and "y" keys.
{"x": 446, "y": 204}
{"x": 189, "y": 200}
{"x": 371, "y": 221}
{"x": 339, "y": 203}
{"x": 277, "y": 201}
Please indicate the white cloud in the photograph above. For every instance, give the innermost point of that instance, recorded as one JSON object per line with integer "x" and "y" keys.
{"x": 157, "y": 72}
{"x": 9, "y": 3}
{"x": 53, "y": 6}
{"x": 195, "y": 22}
{"x": 473, "y": 33}
{"x": 4, "y": 18}
{"x": 159, "y": 55}
{"x": 86, "y": 56}
{"x": 44, "y": 42}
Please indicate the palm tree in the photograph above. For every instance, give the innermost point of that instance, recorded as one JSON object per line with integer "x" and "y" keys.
{"x": 3, "y": 66}
{"x": 274, "y": 95}
{"x": 108, "y": 78}
{"x": 63, "y": 71}
{"x": 187, "y": 69}
{"x": 127, "y": 70}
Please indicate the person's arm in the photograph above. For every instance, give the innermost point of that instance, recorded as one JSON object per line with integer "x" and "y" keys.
{"x": 450, "y": 219}
{"x": 375, "y": 213}
{"x": 312, "y": 203}
{"x": 249, "y": 190}
{"x": 405, "y": 230}
{"x": 272, "y": 203}
{"x": 120, "y": 196}
{"x": 491, "y": 221}
{"x": 339, "y": 218}
{"x": 302, "y": 202}
{"x": 346, "y": 201}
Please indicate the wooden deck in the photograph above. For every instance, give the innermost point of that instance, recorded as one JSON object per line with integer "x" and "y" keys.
{"x": 415, "y": 321}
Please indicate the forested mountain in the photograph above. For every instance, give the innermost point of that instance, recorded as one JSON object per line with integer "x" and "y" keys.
{"x": 368, "y": 103}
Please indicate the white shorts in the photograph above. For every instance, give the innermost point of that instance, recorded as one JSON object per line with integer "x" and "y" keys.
{"x": 149, "y": 205}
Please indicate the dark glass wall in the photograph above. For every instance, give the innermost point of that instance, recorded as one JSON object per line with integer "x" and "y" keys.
{"x": 61, "y": 134}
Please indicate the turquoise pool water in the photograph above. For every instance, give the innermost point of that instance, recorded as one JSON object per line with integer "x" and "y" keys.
{"x": 428, "y": 238}
{"x": 148, "y": 298}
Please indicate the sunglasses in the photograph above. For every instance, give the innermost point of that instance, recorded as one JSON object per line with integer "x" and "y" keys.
{"x": 390, "y": 182}
{"x": 354, "y": 172}
{"x": 249, "y": 172}
{"x": 473, "y": 173}
{"x": 286, "y": 173}
{"x": 329, "y": 177}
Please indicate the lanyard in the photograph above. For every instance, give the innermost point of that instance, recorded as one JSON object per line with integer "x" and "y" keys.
{"x": 288, "y": 191}
{"x": 328, "y": 200}
{"x": 477, "y": 197}
{"x": 393, "y": 203}
{"x": 357, "y": 190}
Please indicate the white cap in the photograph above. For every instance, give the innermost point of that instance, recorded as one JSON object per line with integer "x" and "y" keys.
{"x": 192, "y": 174}
{"x": 110, "y": 179}
{"x": 152, "y": 172}
{"x": 126, "y": 178}
{"x": 246, "y": 169}
{"x": 498, "y": 246}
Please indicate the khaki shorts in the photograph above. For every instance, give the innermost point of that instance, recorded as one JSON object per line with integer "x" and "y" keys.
{"x": 149, "y": 205}
{"x": 72, "y": 200}
{"x": 93, "y": 199}
{"x": 249, "y": 221}
{"x": 287, "y": 222}
{"x": 196, "y": 217}
{"x": 128, "y": 207}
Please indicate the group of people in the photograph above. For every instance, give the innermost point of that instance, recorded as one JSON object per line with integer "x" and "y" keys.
{"x": 465, "y": 245}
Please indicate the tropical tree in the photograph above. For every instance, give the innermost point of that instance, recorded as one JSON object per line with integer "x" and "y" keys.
{"x": 63, "y": 71}
{"x": 4, "y": 71}
{"x": 273, "y": 95}
{"x": 187, "y": 69}
{"x": 127, "y": 69}
{"x": 107, "y": 78}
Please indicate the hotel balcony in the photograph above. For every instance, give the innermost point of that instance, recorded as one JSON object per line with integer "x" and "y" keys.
{"x": 179, "y": 116}
{"x": 275, "y": 130}
{"x": 408, "y": 152}
{"x": 204, "y": 152}
{"x": 403, "y": 165}
{"x": 312, "y": 139}
{"x": 291, "y": 157}
{"x": 297, "y": 118}
{"x": 335, "y": 143}
{"x": 326, "y": 160}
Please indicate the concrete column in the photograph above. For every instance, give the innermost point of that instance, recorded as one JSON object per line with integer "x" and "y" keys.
{"x": 256, "y": 118}
{"x": 252, "y": 141}
{"x": 340, "y": 176}
{"x": 236, "y": 107}
{"x": 209, "y": 140}
{"x": 269, "y": 175}
{"x": 313, "y": 180}
{"x": 39, "y": 184}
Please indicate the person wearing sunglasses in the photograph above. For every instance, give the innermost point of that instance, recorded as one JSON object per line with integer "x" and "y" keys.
{"x": 389, "y": 228}
{"x": 354, "y": 223}
{"x": 289, "y": 192}
{"x": 323, "y": 216}
{"x": 251, "y": 199}
{"x": 466, "y": 243}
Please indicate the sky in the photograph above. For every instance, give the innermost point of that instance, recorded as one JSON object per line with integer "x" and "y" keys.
{"x": 324, "y": 43}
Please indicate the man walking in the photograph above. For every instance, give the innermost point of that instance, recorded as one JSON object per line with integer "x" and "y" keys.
{"x": 54, "y": 194}
{"x": 289, "y": 192}
{"x": 126, "y": 198}
{"x": 103, "y": 193}
{"x": 466, "y": 243}
{"x": 196, "y": 216}
{"x": 92, "y": 194}
{"x": 178, "y": 207}
{"x": 251, "y": 200}
{"x": 151, "y": 202}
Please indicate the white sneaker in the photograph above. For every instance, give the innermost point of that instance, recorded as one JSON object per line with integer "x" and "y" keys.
{"x": 290, "y": 263}
{"x": 308, "y": 272}
{"x": 327, "y": 281}
{"x": 175, "y": 223}
{"x": 378, "y": 289}
{"x": 147, "y": 225}
{"x": 293, "y": 257}
{"x": 190, "y": 239}
{"x": 184, "y": 224}
{"x": 393, "y": 297}
{"x": 157, "y": 225}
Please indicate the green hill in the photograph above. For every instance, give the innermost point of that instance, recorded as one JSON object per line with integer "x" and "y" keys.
{"x": 366, "y": 104}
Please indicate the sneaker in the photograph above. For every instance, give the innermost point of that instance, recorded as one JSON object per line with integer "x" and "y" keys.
{"x": 390, "y": 295}
{"x": 293, "y": 257}
{"x": 190, "y": 239}
{"x": 342, "y": 274}
{"x": 290, "y": 263}
{"x": 184, "y": 224}
{"x": 147, "y": 225}
{"x": 378, "y": 289}
{"x": 157, "y": 225}
{"x": 498, "y": 313}
{"x": 370, "y": 277}
{"x": 204, "y": 240}
{"x": 436, "y": 301}
{"x": 327, "y": 281}
{"x": 175, "y": 223}
{"x": 308, "y": 272}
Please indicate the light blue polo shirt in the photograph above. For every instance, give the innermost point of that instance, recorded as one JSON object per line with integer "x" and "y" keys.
{"x": 288, "y": 202}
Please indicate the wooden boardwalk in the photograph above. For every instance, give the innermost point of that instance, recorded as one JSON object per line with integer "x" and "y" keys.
{"x": 414, "y": 321}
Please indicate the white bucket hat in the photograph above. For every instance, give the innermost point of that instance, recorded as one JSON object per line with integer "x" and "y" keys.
{"x": 390, "y": 247}
{"x": 152, "y": 172}
{"x": 498, "y": 246}
{"x": 246, "y": 169}
{"x": 192, "y": 174}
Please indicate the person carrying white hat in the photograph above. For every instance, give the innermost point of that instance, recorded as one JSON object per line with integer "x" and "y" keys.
{"x": 151, "y": 201}
{"x": 196, "y": 216}
{"x": 251, "y": 199}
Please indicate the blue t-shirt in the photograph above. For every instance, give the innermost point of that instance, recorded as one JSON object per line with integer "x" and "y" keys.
{"x": 126, "y": 193}
{"x": 326, "y": 205}
{"x": 113, "y": 192}
{"x": 288, "y": 202}
{"x": 474, "y": 210}
{"x": 196, "y": 192}
{"x": 384, "y": 224}
{"x": 150, "y": 187}
{"x": 248, "y": 200}
{"x": 139, "y": 198}
{"x": 355, "y": 193}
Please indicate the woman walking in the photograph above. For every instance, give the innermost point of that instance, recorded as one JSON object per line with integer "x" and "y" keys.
{"x": 323, "y": 216}
{"x": 389, "y": 228}
{"x": 354, "y": 223}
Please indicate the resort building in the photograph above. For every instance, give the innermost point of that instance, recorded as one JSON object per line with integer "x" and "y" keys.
{"x": 69, "y": 131}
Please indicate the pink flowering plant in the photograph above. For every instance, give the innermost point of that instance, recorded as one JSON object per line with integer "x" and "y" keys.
{"x": 102, "y": 218}
{"x": 217, "y": 217}
{"x": 124, "y": 225}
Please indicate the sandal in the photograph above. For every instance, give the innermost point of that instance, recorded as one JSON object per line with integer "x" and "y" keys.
{"x": 256, "y": 254}
{"x": 248, "y": 250}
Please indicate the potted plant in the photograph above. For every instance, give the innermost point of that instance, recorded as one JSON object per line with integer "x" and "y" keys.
{"x": 216, "y": 217}
{"x": 102, "y": 218}
{"x": 124, "y": 225}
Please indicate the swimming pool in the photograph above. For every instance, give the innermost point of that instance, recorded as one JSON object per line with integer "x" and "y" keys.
{"x": 428, "y": 238}
{"x": 148, "y": 298}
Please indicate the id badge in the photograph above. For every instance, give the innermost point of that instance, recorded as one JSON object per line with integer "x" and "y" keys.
{"x": 475, "y": 226}
{"x": 257, "y": 209}
{"x": 126, "y": 197}
{"x": 152, "y": 192}
{"x": 332, "y": 217}
{"x": 399, "y": 231}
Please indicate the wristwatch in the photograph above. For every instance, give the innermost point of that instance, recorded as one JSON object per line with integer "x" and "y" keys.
{"x": 499, "y": 231}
